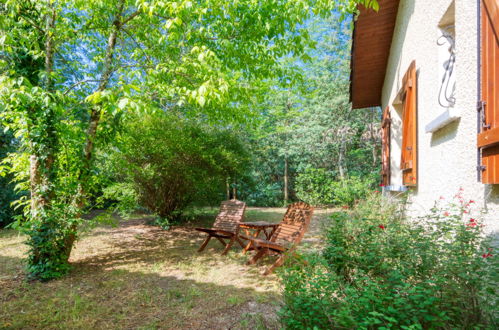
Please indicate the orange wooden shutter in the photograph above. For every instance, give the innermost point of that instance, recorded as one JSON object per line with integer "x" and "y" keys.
{"x": 385, "y": 147}
{"x": 488, "y": 138}
{"x": 409, "y": 163}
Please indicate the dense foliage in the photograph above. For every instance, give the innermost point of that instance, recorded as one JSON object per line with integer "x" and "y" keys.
{"x": 380, "y": 270}
{"x": 309, "y": 125}
{"x": 321, "y": 187}
{"x": 8, "y": 194}
{"x": 171, "y": 162}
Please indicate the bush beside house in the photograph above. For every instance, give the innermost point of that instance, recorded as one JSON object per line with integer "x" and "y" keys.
{"x": 379, "y": 270}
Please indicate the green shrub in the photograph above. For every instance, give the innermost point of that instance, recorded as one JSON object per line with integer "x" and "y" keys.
{"x": 47, "y": 235}
{"x": 317, "y": 186}
{"x": 350, "y": 190}
{"x": 123, "y": 196}
{"x": 379, "y": 270}
{"x": 166, "y": 162}
{"x": 162, "y": 222}
{"x": 314, "y": 186}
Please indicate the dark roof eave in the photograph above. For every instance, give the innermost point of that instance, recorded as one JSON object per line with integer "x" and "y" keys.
{"x": 382, "y": 25}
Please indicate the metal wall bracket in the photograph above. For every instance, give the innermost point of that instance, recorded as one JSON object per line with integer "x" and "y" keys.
{"x": 480, "y": 105}
{"x": 481, "y": 110}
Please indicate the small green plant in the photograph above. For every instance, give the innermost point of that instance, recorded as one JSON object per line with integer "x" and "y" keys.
{"x": 350, "y": 190}
{"x": 162, "y": 222}
{"x": 235, "y": 300}
{"x": 381, "y": 270}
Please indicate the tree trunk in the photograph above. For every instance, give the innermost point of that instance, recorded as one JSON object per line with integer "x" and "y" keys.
{"x": 37, "y": 201}
{"x": 227, "y": 187}
{"x": 94, "y": 122}
{"x": 341, "y": 157}
{"x": 234, "y": 190}
{"x": 43, "y": 149}
{"x": 287, "y": 109}
{"x": 286, "y": 188}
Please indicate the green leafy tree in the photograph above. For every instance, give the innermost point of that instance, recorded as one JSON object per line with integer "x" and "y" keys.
{"x": 331, "y": 134}
{"x": 308, "y": 123}
{"x": 275, "y": 136}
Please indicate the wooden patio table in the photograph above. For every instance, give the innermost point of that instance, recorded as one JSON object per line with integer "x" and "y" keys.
{"x": 253, "y": 229}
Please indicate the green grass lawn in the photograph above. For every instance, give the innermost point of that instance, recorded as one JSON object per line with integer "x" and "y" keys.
{"x": 139, "y": 276}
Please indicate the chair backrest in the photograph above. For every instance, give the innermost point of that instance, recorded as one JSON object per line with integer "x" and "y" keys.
{"x": 230, "y": 215}
{"x": 294, "y": 224}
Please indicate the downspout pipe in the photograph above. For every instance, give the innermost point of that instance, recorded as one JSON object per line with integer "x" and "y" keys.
{"x": 479, "y": 86}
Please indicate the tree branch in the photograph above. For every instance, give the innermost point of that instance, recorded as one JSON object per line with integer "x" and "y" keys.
{"x": 138, "y": 45}
{"x": 79, "y": 83}
{"x": 130, "y": 17}
{"x": 163, "y": 17}
{"x": 32, "y": 23}
{"x": 186, "y": 77}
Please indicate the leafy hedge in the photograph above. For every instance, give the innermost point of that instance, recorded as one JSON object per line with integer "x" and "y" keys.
{"x": 379, "y": 270}
{"x": 318, "y": 186}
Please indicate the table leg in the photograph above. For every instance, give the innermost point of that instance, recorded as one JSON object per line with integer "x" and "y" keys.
{"x": 269, "y": 235}
{"x": 249, "y": 243}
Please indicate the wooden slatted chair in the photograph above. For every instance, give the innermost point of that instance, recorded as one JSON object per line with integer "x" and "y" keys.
{"x": 286, "y": 237}
{"x": 226, "y": 225}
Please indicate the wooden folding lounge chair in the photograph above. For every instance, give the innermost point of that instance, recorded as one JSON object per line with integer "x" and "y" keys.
{"x": 226, "y": 225}
{"x": 286, "y": 237}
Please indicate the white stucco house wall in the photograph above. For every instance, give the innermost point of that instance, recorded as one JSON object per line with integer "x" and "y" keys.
{"x": 453, "y": 48}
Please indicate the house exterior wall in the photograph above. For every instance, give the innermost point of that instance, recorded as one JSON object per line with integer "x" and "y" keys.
{"x": 447, "y": 158}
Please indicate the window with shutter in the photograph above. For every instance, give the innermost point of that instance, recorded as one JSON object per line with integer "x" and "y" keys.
{"x": 385, "y": 148}
{"x": 488, "y": 136}
{"x": 409, "y": 163}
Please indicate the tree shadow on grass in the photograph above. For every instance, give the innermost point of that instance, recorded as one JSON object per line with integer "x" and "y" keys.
{"x": 175, "y": 250}
{"x": 139, "y": 276}
{"x": 123, "y": 299}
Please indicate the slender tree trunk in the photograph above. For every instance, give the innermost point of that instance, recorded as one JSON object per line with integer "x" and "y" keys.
{"x": 96, "y": 109}
{"x": 94, "y": 121}
{"x": 234, "y": 190}
{"x": 227, "y": 187}
{"x": 49, "y": 48}
{"x": 37, "y": 202}
{"x": 287, "y": 109}
{"x": 286, "y": 188}
{"x": 341, "y": 157}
